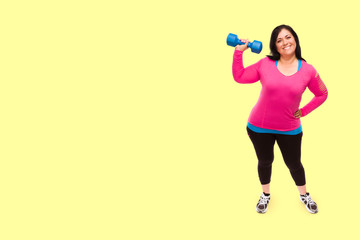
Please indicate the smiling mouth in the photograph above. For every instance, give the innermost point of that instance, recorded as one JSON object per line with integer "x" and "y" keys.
{"x": 287, "y": 47}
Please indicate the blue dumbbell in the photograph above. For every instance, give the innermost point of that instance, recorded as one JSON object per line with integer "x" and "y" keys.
{"x": 233, "y": 40}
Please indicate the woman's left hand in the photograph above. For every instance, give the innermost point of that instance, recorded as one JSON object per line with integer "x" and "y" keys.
{"x": 298, "y": 114}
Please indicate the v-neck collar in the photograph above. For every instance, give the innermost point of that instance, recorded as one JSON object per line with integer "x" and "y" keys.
{"x": 299, "y": 67}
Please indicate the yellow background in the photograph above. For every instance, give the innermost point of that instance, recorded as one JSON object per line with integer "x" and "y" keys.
{"x": 122, "y": 120}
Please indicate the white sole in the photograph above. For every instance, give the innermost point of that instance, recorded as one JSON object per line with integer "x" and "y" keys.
{"x": 261, "y": 211}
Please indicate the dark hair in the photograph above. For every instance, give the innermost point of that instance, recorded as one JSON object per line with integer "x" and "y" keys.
{"x": 275, "y": 55}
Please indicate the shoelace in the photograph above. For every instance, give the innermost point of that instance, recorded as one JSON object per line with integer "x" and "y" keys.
{"x": 309, "y": 200}
{"x": 263, "y": 199}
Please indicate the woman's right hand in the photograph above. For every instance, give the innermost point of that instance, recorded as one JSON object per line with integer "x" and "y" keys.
{"x": 242, "y": 47}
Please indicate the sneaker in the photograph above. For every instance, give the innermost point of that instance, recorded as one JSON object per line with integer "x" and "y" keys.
{"x": 261, "y": 206}
{"x": 309, "y": 203}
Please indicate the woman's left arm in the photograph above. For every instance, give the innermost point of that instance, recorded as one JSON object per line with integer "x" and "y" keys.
{"x": 318, "y": 88}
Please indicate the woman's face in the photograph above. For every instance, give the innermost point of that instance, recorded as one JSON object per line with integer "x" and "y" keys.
{"x": 285, "y": 43}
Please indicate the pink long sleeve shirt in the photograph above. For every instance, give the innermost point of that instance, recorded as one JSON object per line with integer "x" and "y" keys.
{"x": 280, "y": 95}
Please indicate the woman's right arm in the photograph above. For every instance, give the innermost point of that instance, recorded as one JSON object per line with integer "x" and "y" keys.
{"x": 249, "y": 74}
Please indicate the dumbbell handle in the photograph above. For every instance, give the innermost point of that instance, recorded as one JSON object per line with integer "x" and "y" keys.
{"x": 239, "y": 42}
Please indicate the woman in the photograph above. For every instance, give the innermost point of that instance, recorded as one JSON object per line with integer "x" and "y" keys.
{"x": 284, "y": 76}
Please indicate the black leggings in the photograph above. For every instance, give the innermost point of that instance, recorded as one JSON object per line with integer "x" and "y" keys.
{"x": 290, "y": 146}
